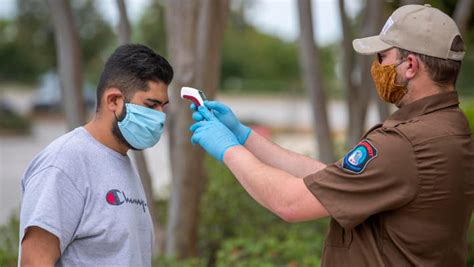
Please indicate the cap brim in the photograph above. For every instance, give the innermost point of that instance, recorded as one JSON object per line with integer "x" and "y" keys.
{"x": 370, "y": 45}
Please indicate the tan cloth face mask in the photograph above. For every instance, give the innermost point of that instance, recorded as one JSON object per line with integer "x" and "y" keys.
{"x": 384, "y": 78}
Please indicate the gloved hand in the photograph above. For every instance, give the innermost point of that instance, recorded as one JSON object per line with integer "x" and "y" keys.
{"x": 212, "y": 135}
{"x": 227, "y": 117}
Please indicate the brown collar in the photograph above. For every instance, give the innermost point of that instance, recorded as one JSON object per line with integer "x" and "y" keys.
{"x": 425, "y": 105}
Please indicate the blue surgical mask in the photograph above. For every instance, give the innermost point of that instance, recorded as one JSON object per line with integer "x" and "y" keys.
{"x": 142, "y": 127}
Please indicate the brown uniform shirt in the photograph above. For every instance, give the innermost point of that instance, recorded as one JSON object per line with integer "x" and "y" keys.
{"x": 404, "y": 195}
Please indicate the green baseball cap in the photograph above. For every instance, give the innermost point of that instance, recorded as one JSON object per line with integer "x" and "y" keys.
{"x": 418, "y": 28}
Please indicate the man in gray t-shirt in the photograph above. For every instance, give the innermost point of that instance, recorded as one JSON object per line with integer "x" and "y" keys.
{"x": 83, "y": 201}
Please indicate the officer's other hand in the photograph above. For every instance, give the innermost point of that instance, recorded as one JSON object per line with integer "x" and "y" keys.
{"x": 212, "y": 135}
{"x": 227, "y": 117}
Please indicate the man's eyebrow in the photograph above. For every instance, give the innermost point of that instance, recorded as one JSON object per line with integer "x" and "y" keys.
{"x": 157, "y": 101}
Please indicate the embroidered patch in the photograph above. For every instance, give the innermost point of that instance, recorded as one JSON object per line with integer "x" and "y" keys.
{"x": 357, "y": 159}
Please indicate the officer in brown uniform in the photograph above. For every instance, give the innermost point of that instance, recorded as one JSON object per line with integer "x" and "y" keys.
{"x": 404, "y": 195}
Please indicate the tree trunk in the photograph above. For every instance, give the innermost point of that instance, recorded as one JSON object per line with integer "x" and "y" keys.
{"x": 348, "y": 51}
{"x": 123, "y": 29}
{"x": 375, "y": 24}
{"x": 462, "y": 14}
{"x": 359, "y": 93}
{"x": 186, "y": 160}
{"x": 145, "y": 177}
{"x": 310, "y": 64}
{"x": 124, "y": 34}
{"x": 195, "y": 58}
{"x": 211, "y": 26}
{"x": 357, "y": 96}
{"x": 69, "y": 62}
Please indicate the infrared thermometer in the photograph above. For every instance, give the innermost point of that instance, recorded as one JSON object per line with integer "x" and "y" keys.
{"x": 195, "y": 95}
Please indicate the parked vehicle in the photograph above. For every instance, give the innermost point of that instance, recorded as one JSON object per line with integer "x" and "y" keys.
{"x": 48, "y": 94}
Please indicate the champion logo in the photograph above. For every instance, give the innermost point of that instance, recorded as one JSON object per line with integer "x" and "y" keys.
{"x": 113, "y": 197}
{"x": 117, "y": 197}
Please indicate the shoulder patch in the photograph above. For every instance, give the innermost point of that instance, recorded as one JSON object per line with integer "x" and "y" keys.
{"x": 357, "y": 159}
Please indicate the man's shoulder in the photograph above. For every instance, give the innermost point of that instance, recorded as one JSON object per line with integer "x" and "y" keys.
{"x": 432, "y": 126}
{"x": 69, "y": 145}
{"x": 61, "y": 153}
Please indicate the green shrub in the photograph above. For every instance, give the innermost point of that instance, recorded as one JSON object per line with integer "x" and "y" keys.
{"x": 468, "y": 107}
{"x": 299, "y": 245}
{"x": 232, "y": 222}
{"x": 9, "y": 243}
{"x": 469, "y": 111}
{"x": 470, "y": 243}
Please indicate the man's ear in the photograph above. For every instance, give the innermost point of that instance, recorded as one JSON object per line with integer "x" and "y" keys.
{"x": 113, "y": 100}
{"x": 413, "y": 66}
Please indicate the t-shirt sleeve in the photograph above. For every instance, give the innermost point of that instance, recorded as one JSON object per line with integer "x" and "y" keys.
{"x": 379, "y": 174}
{"x": 52, "y": 202}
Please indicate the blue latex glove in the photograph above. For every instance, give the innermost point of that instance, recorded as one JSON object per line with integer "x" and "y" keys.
{"x": 227, "y": 117}
{"x": 212, "y": 135}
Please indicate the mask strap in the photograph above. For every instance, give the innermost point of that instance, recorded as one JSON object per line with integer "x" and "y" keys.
{"x": 396, "y": 66}
{"x": 406, "y": 84}
{"x": 124, "y": 111}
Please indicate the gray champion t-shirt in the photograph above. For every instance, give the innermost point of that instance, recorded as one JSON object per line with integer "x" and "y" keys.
{"x": 92, "y": 199}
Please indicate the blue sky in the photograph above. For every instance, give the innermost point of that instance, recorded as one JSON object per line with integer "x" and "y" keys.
{"x": 276, "y": 17}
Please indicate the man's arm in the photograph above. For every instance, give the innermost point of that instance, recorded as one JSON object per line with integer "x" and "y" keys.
{"x": 268, "y": 152}
{"x": 284, "y": 194}
{"x": 51, "y": 210}
{"x": 274, "y": 155}
{"x": 279, "y": 191}
{"x": 39, "y": 248}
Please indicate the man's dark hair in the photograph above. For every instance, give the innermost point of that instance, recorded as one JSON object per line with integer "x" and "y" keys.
{"x": 443, "y": 72}
{"x": 130, "y": 68}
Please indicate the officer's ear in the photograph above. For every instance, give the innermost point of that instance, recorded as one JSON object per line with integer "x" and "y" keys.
{"x": 113, "y": 100}
{"x": 413, "y": 66}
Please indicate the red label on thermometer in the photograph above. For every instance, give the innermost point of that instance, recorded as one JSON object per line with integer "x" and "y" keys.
{"x": 195, "y": 95}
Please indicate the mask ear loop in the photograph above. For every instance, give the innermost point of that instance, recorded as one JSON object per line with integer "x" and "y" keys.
{"x": 399, "y": 63}
{"x": 124, "y": 111}
{"x": 406, "y": 84}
